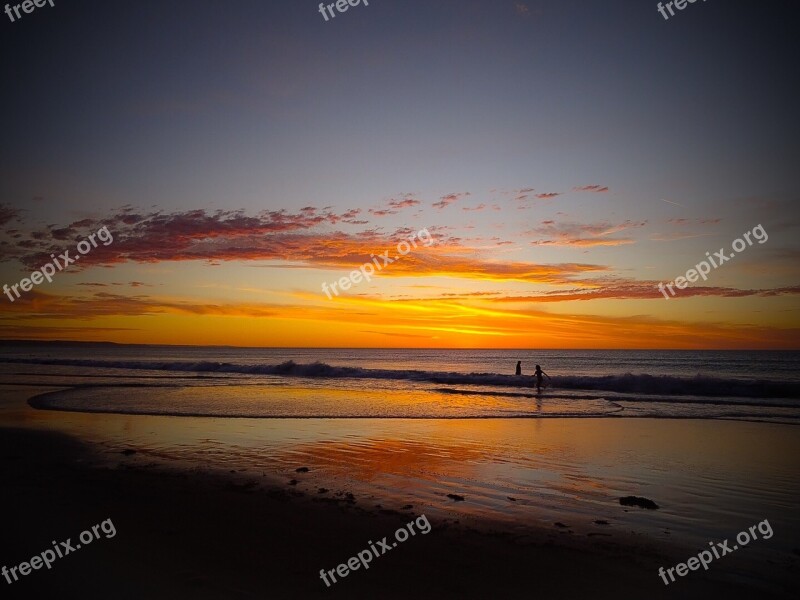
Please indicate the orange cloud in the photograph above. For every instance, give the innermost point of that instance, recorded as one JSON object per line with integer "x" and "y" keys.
{"x": 642, "y": 290}
{"x": 363, "y": 321}
{"x": 280, "y": 236}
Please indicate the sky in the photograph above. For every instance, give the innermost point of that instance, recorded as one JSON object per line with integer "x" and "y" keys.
{"x": 555, "y": 162}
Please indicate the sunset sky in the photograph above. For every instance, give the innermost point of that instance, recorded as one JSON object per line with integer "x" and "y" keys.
{"x": 566, "y": 157}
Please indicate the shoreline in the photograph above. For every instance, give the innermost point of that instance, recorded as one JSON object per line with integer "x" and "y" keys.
{"x": 625, "y": 408}
{"x": 232, "y": 530}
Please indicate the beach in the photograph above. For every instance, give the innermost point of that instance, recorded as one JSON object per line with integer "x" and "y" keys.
{"x": 216, "y": 508}
{"x": 429, "y": 300}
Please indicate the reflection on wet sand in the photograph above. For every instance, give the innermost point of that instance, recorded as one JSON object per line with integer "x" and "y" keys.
{"x": 707, "y": 476}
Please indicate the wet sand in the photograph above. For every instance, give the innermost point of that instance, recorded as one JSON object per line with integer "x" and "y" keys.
{"x": 193, "y": 535}
{"x": 192, "y": 529}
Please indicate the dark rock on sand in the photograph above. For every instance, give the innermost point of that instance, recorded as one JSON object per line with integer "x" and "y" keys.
{"x": 638, "y": 501}
{"x": 323, "y": 491}
{"x": 128, "y": 452}
{"x": 560, "y": 524}
{"x": 302, "y": 470}
{"x": 456, "y": 497}
{"x": 512, "y": 499}
{"x": 601, "y": 522}
{"x": 293, "y": 482}
{"x": 408, "y": 507}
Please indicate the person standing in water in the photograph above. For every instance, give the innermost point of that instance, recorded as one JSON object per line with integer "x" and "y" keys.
{"x": 538, "y": 374}
{"x": 519, "y": 367}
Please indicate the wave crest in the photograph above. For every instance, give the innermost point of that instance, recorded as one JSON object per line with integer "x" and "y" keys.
{"x": 627, "y": 383}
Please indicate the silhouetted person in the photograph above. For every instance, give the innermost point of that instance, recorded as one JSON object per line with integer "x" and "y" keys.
{"x": 538, "y": 374}
{"x": 519, "y": 367}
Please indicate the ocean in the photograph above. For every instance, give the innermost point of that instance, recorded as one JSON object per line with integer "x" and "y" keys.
{"x": 411, "y": 383}
{"x": 393, "y": 428}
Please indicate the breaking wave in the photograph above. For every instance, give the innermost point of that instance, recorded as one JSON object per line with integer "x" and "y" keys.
{"x": 627, "y": 383}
